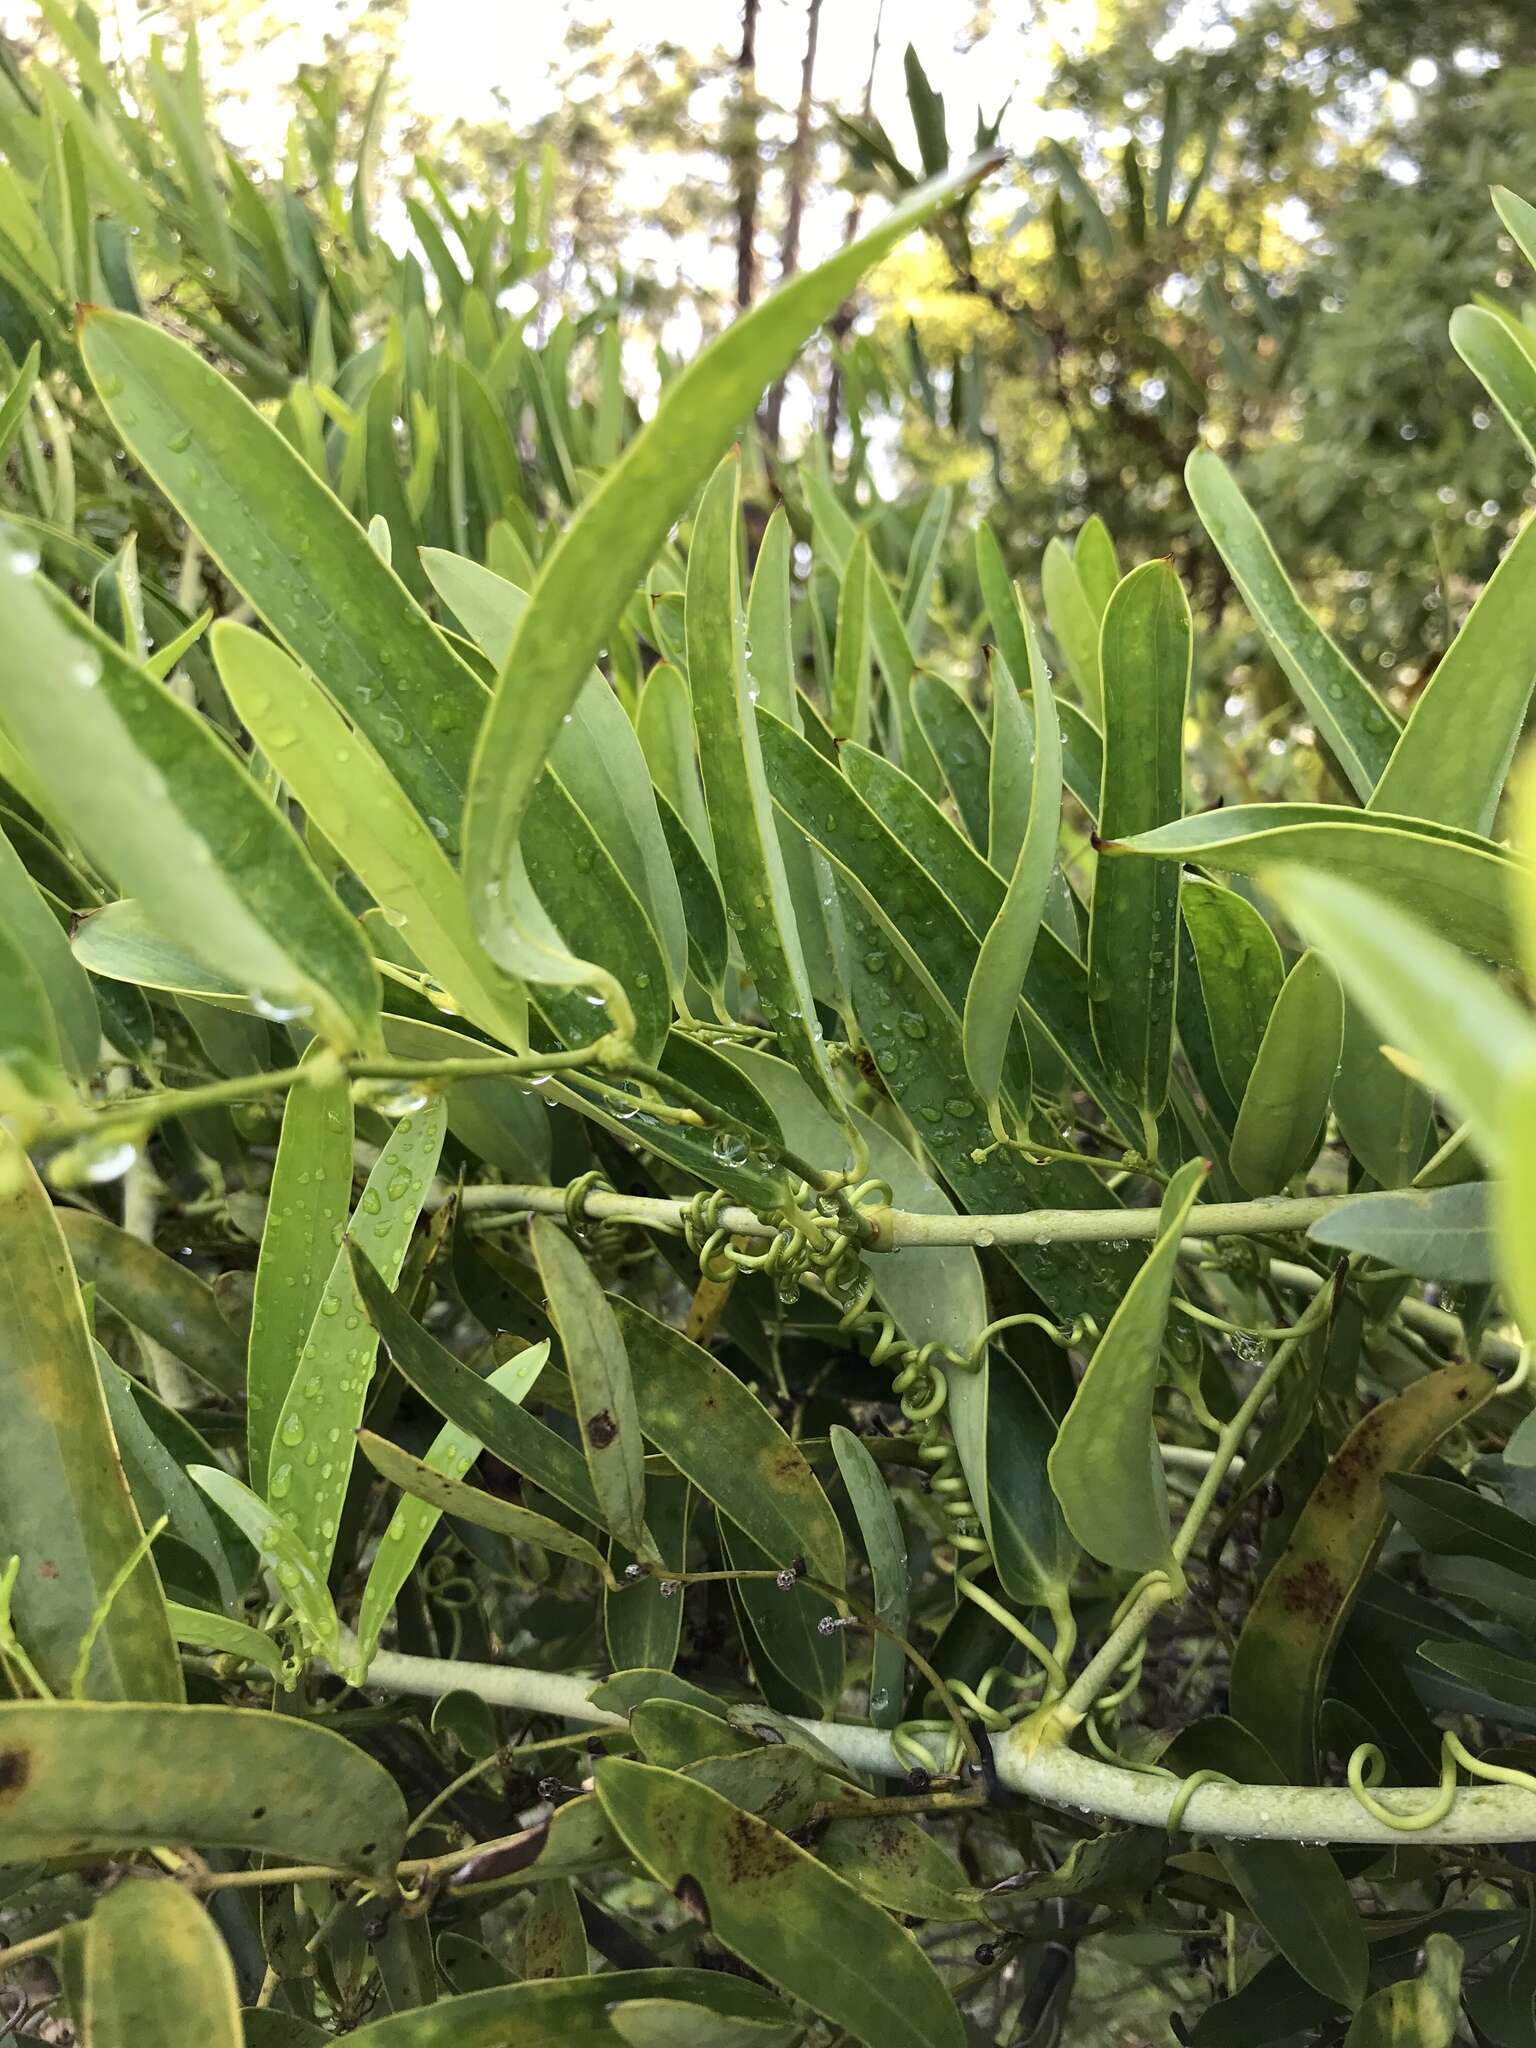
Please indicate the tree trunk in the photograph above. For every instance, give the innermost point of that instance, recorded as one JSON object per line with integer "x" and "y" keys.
{"x": 799, "y": 172}
{"x": 746, "y": 158}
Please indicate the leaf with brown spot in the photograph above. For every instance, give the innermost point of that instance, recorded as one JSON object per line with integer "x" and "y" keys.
{"x": 598, "y": 1366}
{"x": 1282, "y": 1659}
{"x": 780, "y": 1911}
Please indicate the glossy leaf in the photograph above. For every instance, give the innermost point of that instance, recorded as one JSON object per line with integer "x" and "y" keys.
{"x": 155, "y": 1963}
{"x": 850, "y": 675}
{"x": 283, "y": 1550}
{"x": 1281, "y": 1118}
{"x": 786, "y": 1916}
{"x": 311, "y": 1446}
{"x": 1281, "y": 1663}
{"x": 226, "y": 1777}
{"x": 1146, "y": 653}
{"x": 1105, "y": 1469}
{"x": 1241, "y": 972}
{"x": 1503, "y": 366}
{"x": 65, "y": 1508}
{"x": 1003, "y": 961}
{"x": 199, "y": 1629}
{"x": 1452, "y": 1520}
{"x": 701, "y": 1417}
{"x": 520, "y": 1441}
{"x": 406, "y": 1534}
{"x": 350, "y": 795}
{"x": 1034, "y": 1554}
{"x": 1440, "y": 1233}
{"x": 588, "y": 575}
{"x": 32, "y": 925}
{"x": 885, "y": 1547}
{"x": 751, "y": 867}
{"x": 307, "y": 1207}
{"x": 564, "y": 2012}
{"x": 595, "y": 1359}
{"x": 959, "y": 745}
{"x": 158, "y": 803}
{"x": 1422, "y": 2012}
{"x": 440, "y": 1489}
{"x": 1454, "y": 753}
{"x": 1385, "y": 1116}
{"x": 158, "y": 1296}
{"x": 1460, "y": 886}
{"x": 1357, "y": 728}
{"x": 1074, "y": 624}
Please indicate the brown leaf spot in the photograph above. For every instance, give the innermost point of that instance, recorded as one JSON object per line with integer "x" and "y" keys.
{"x": 1311, "y": 1590}
{"x": 602, "y": 1430}
{"x": 15, "y": 1769}
{"x": 754, "y": 1851}
{"x": 508, "y": 1857}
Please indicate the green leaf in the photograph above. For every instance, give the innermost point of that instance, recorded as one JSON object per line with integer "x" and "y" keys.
{"x": 30, "y": 923}
{"x": 428, "y": 1483}
{"x": 224, "y": 1777}
{"x": 752, "y": 876}
{"x": 1241, "y": 972}
{"x": 1146, "y": 651}
{"x": 666, "y": 2023}
{"x": 293, "y": 1563}
{"x": 589, "y": 574}
{"x": 1516, "y": 1200}
{"x": 1452, "y": 1520}
{"x": 1502, "y": 364}
{"x": 119, "y": 943}
{"x": 786, "y": 1916}
{"x": 564, "y": 2012}
{"x": 850, "y": 674}
{"x": 155, "y": 1964}
{"x": 500, "y": 1121}
{"x": 1494, "y": 1673}
{"x": 1424, "y": 2012}
{"x": 599, "y": 1370}
{"x": 162, "y": 806}
{"x": 348, "y": 794}
{"x": 65, "y": 1509}
{"x": 721, "y": 1438}
{"x": 642, "y": 1626}
{"x": 1439, "y": 1233}
{"x": 475, "y": 1407}
{"x": 1096, "y": 563}
{"x": 406, "y": 1534}
{"x": 1280, "y": 1667}
{"x": 296, "y": 554}
{"x": 312, "y": 1440}
{"x": 1454, "y": 753}
{"x": 183, "y": 127}
{"x": 159, "y": 1297}
{"x": 1357, "y": 728}
{"x": 307, "y": 1206}
{"x": 1385, "y": 1116}
{"x": 885, "y": 1547}
{"x": 156, "y": 1445}
{"x": 897, "y": 1864}
{"x": 1104, "y": 1467}
{"x": 1281, "y": 1119}
{"x": 1003, "y": 961}
{"x": 1467, "y": 1036}
{"x": 32, "y": 1077}
{"x": 955, "y": 737}
{"x": 18, "y": 399}
{"x": 199, "y": 1629}
{"x": 1034, "y": 1554}
{"x": 1503, "y": 2002}
{"x": 1075, "y": 625}
{"x": 1459, "y": 885}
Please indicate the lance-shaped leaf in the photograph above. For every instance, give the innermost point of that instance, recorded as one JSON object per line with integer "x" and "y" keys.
{"x": 65, "y": 1508}
{"x": 32, "y": 925}
{"x": 292, "y": 1562}
{"x": 350, "y": 795}
{"x": 1450, "y": 763}
{"x": 221, "y": 1777}
{"x": 433, "y": 1488}
{"x": 1105, "y": 1467}
{"x": 312, "y": 1443}
{"x": 1422, "y": 2011}
{"x": 1003, "y": 962}
{"x": 723, "y": 1439}
{"x": 957, "y": 742}
{"x": 850, "y": 673}
{"x": 798, "y": 1925}
{"x": 1440, "y": 1233}
{"x": 751, "y": 866}
{"x": 1285, "y": 1105}
{"x": 1240, "y": 972}
{"x": 155, "y": 1964}
{"x": 885, "y": 1548}
{"x": 590, "y": 573}
{"x": 157, "y": 1296}
{"x": 472, "y": 1404}
{"x": 1463, "y": 1031}
{"x": 307, "y": 1205}
{"x": 1358, "y": 729}
{"x": 1074, "y": 623}
{"x": 1146, "y": 651}
{"x": 573, "y": 2012}
{"x": 1281, "y": 1664}
{"x": 451, "y": 1452}
{"x": 1503, "y": 364}
{"x": 165, "y": 809}
{"x": 598, "y": 1365}
{"x": 1458, "y": 884}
